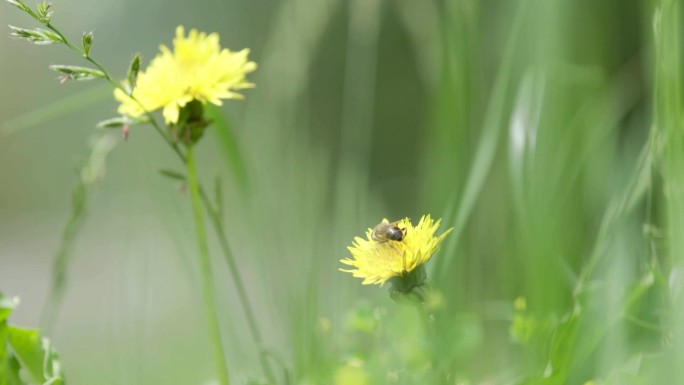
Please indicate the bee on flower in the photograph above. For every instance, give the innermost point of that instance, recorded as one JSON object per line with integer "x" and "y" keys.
{"x": 395, "y": 252}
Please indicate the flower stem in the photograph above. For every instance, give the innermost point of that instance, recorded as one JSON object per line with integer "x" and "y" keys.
{"x": 116, "y": 85}
{"x": 214, "y": 216}
{"x": 205, "y": 270}
{"x": 216, "y": 221}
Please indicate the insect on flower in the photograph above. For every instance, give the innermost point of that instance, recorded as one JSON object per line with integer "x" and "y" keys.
{"x": 393, "y": 249}
{"x": 386, "y": 231}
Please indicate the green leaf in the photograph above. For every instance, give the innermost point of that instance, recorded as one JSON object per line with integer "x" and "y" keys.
{"x": 133, "y": 70}
{"x": 12, "y": 368}
{"x": 36, "y": 35}
{"x": 172, "y": 174}
{"x": 35, "y": 355}
{"x": 27, "y": 347}
{"x": 79, "y": 101}
{"x": 19, "y": 4}
{"x": 9, "y": 367}
{"x": 117, "y": 122}
{"x": 4, "y": 366}
{"x": 121, "y": 121}
{"x": 6, "y": 306}
{"x": 229, "y": 145}
{"x": 218, "y": 197}
{"x": 77, "y": 72}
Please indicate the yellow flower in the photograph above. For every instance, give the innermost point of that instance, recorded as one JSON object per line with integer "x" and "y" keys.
{"x": 352, "y": 374}
{"x": 377, "y": 262}
{"x": 197, "y": 69}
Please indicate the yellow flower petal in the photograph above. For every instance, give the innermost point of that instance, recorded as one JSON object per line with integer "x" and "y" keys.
{"x": 377, "y": 262}
{"x": 196, "y": 69}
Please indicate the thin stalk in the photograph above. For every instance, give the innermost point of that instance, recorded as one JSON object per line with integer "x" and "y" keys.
{"x": 213, "y": 215}
{"x": 62, "y": 259}
{"x": 117, "y": 85}
{"x": 216, "y": 221}
{"x": 205, "y": 271}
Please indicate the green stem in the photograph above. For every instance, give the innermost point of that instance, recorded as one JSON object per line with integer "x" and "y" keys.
{"x": 214, "y": 216}
{"x": 117, "y": 85}
{"x": 205, "y": 271}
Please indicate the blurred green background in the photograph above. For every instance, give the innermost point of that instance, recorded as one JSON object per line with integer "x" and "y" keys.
{"x": 547, "y": 133}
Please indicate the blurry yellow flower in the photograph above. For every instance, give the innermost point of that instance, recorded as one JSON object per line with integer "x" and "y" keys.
{"x": 324, "y": 325}
{"x": 520, "y": 303}
{"x": 377, "y": 262}
{"x": 351, "y": 374}
{"x": 197, "y": 69}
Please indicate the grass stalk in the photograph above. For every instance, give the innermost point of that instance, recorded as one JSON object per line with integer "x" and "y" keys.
{"x": 59, "y": 287}
{"x": 217, "y": 222}
{"x": 205, "y": 271}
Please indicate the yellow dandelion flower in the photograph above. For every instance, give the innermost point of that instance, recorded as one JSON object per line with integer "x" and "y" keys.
{"x": 197, "y": 69}
{"x": 378, "y": 262}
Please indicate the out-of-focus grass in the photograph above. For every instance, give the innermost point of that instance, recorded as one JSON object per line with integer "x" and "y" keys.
{"x": 547, "y": 133}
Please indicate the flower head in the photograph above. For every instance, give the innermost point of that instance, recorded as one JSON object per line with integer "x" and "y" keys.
{"x": 197, "y": 69}
{"x": 377, "y": 262}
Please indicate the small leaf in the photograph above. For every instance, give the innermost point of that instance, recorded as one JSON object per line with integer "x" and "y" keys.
{"x": 43, "y": 12}
{"x": 121, "y": 121}
{"x": 218, "y": 197}
{"x": 113, "y": 122}
{"x": 35, "y": 355}
{"x": 36, "y": 36}
{"x": 230, "y": 145}
{"x": 133, "y": 70}
{"x": 6, "y": 306}
{"x": 78, "y": 73}
{"x": 13, "y": 368}
{"x": 87, "y": 42}
{"x": 172, "y": 174}
{"x": 26, "y": 346}
{"x": 19, "y": 4}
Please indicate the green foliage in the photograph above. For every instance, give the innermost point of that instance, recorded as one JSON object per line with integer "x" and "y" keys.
{"x": 547, "y": 133}
{"x": 229, "y": 145}
{"x": 25, "y": 357}
{"x": 36, "y": 35}
{"x": 43, "y": 12}
{"x": 133, "y": 70}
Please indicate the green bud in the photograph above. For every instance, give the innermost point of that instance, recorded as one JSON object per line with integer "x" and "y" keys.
{"x": 36, "y": 36}
{"x": 133, "y": 70}
{"x": 410, "y": 287}
{"x": 78, "y": 73}
{"x": 191, "y": 123}
{"x": 43, "y": 12}
{"x": 87, "y": 42}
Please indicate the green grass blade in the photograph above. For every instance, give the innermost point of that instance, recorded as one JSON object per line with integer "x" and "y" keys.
{"x": 488, "y": 143}
{"x": 70, "y": 104}
{"x": 229, "y": 145}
